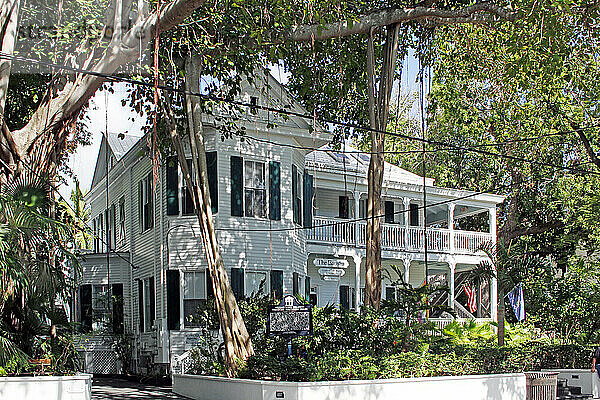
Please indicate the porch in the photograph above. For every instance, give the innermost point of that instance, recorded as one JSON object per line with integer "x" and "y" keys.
{"x": 396, "y": 237}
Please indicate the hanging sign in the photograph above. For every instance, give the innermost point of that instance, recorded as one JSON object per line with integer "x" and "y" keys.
{"x": 330, "y": 263}
{"x": 289, "y": 318}
{"x": 331, "y": 272}
{"x": 331, "y": 278}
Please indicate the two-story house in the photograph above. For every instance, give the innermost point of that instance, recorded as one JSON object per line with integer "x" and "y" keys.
{"x": 289, "y": 212}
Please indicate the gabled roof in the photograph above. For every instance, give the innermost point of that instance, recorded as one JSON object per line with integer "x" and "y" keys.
{"x": 352, "y": 160}
{"x": 119, "y": 145}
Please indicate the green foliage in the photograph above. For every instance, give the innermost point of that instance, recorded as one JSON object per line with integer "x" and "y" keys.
{"x": 34, "y": 254}
{"x": 345, "y": 345}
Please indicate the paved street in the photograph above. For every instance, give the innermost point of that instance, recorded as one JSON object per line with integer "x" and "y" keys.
{"x": 120, "y": 389}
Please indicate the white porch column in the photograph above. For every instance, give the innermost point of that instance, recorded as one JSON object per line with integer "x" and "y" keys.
{"x": 451, "y": 207}
{"x": 406, "y": 262}
{"x": 357, "y": 262}
{"x": 452, "y": 271}
{"x": 494, "y": 283}
{"x": 492, "y": 220}
{"x": 356, "y": 216}
{"x": 406, "y": 201}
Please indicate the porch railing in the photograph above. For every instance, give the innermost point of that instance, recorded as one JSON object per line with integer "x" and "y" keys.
{"x": 395, "y": 236}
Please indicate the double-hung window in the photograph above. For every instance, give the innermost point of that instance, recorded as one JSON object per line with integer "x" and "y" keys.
{"x": 255, "y": 193}
{"x": 187, "y": 200}
{"x": 146, "y": 211}
{"x": 121, "y": 221}
{"x": 148, "y": 299}
{"x": 194, "y": 295}
{"x": 99, "y": 306}
{"x": 296, "y": 195}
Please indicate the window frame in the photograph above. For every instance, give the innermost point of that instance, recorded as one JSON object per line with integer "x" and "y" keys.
{"x": 184, "y": 289}
{"x": 146, "y": 206}
{"x": 255, "y": 189}
{"x": 122, "y": 232}
{"x": 297, "y": 206}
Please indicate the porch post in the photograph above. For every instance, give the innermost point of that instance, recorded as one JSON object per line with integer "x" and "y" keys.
{"x": 494, "y": 282}
{"x": 356, "y": 216}
{"x": 492, "y": 221}
{"x": 406, "y": 262}
{"x": 357, "y": 261}
{"x": 406, "y": 201}
{"x": 452, "y": 269}
{"x": 451, "y": 207}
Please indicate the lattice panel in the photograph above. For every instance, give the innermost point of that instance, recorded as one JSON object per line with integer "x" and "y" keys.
{"x": 104, "y": 362}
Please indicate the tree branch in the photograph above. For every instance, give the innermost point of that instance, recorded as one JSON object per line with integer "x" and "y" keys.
{"x": 485, "y": 11}
{"x": 77, "y": 93}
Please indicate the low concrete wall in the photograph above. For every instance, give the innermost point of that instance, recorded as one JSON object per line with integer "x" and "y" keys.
{"x": 469, "y": 387}
{"x": 587, "y": 380}
{"x": 76, "y": 387}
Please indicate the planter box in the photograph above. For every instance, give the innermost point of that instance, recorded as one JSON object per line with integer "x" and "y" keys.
{"x": 468, "y": 387}
{"x": 76, "y": 387}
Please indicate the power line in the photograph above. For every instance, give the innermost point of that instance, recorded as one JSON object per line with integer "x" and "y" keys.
{"x": 82, "y": 230}
{"x": 349, "y": 221}
{"x": 207, "y": 97}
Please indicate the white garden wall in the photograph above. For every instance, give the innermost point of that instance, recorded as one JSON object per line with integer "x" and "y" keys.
{"x": 471, "y": 387}
{"x": 77, "y": 387}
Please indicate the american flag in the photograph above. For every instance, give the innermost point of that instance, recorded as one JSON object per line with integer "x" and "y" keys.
{"x": 472, "y": 300}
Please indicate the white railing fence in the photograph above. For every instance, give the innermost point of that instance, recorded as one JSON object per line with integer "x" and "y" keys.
{"x": 395, "y": 236}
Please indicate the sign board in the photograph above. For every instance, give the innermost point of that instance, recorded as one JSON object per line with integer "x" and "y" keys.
{"x": 333, "y": 278}
{"x": 289, "y": 318}
{"x": 331, "y": 272}
{"x": 330, "y": 263}
{"x": 192, "y": 340}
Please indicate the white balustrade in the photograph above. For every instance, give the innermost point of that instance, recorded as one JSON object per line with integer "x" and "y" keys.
{"x": 468, "y": 242}
{"x": 340, "y": 231}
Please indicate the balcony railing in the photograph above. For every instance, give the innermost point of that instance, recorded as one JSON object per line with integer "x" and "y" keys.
{"x": 396, "y": 237}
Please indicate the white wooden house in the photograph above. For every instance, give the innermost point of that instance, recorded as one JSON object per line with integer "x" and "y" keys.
{"x": 285, "y": 214}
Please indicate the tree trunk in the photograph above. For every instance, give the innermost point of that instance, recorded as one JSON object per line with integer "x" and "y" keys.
{"x": 238, "y": 345}
{"x": 379, "y": 105}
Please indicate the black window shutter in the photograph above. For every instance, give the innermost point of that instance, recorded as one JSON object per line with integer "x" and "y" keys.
{"x": 173, "y": 299}
{"x": 117, "y": 308}
{"x": 141, "y": 304}
{"x": 213, "y": 180}
{"x": 345, "y": 297}
{"x": 414, "y": 214}
{"x": 237, "y": 186}
{"x": 308, "y": 197}
{"x": 85, "y": 299}
{"x": 172, "y": 186}
{"x": 210, "y": 291}
{"x": 389, "y": 212}
{"x": 277, "y": 284}
{"x": 295, "y": 194}
{"x": 295, "y": 283}
{"x": 343, "y": 207}
{"x": 152, "y": 301}
{"x": 237, "y": 282}
{"x": 307, "y": 288}
{"x": 390, "y": 293}
{"x": 274, "y": 191}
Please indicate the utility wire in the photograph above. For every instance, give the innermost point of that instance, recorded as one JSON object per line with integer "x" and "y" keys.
{"x": 82, "y": 230}
{"x": 207, "y": 97}
{"x": 349, "y": 221}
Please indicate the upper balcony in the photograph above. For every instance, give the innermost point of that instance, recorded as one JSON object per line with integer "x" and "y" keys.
{"x": 447, "y": 226}
{"x": 397, "y": 238}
